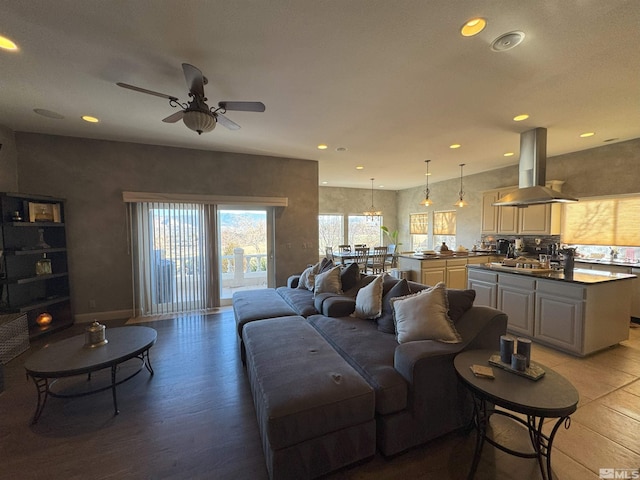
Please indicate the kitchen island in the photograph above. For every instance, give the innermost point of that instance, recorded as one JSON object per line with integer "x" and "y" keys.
{"x": 429, "y": 269}
{"x": 580, "y": 313}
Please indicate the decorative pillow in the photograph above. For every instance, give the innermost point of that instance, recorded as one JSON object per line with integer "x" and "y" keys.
{"x": 328, "y": 282}
{"x": 325, "y": 265}
{"x": 459, "y": 302}
{"x": 350, "y": 276}
{"x": 423, "y": 316}
{"x": 385, "y": 322}
{"x": 307, "y": 277}
{"x": 369, "y": 300}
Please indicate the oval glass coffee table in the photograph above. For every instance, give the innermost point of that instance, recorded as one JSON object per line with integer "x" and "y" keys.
{"x": 551, "y": 396}
{"x": 70, "y": 357}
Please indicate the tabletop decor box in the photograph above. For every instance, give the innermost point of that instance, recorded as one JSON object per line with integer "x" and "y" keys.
{"x": 14, "y": 336}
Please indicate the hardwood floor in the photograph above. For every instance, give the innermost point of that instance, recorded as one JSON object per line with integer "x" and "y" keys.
{"x": 194, "y": 419}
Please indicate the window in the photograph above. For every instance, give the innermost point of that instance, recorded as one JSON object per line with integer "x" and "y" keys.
{"x": 363, "y": 231}
{"x": 419, "y": 229}
{"x": 444, "y": 228}
{"x": 330, "y": 231}
{"x": 602, "y": 221}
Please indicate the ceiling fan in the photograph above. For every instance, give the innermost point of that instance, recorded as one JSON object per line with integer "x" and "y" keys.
{"x": 196, "y": 114}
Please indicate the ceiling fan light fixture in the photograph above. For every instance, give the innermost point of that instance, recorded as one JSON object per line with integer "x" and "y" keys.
{"x": 199, "y": 121}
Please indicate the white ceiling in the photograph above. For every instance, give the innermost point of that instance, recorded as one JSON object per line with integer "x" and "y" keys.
{"x": 392, "y": 81}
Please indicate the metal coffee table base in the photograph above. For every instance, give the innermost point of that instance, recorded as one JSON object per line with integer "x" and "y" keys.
{"x": 540, "y": 442}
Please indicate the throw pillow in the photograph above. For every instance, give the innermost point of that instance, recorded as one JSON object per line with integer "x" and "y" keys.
{"x": 459, "y": 302}
{"x": 423, "y": 316}
{"x": 325, "y": 265}
{"x": 350, "y": 276}
{"x": 385, "y": 322}
{"x": 369, "y": 300}
{"x": 306, "y": 278}
{"x": 328, "y": 282}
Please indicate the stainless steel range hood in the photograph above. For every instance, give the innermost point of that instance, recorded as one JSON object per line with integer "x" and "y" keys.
{"x": 533, "y": 166}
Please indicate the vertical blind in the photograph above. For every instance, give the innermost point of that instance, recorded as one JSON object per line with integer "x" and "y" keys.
{"x": 170, "y": 242}
{"x": 602, "y": 221}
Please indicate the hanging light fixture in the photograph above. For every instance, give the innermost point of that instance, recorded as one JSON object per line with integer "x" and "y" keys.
{"x": 461, "y": 202}
{"x": 372, "y": 213}
{"x": 427, "y": 202}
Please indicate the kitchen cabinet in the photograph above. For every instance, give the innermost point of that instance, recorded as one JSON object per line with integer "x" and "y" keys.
{"x": 533, "y": 220}
{"x": 486, "y": 286}
{"x": 559, "y": 313}
{"x": 579, "y": 317}
{"x": 34, "y": 278}
{"x": 433, "y": 272}
{"x": 457, "y": 273}
{"x": 516, "y": 299}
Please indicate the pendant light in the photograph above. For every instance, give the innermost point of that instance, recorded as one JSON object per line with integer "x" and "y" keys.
{"x": 372, "y": 213}
{"x": 427, "y": 202}
{"x": 461, "y": 202}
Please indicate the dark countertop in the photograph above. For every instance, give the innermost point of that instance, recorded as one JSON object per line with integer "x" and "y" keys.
{"x": 437, "y": 256}
{"x": 617, "y": 262}
{"x": 582, "y": 276}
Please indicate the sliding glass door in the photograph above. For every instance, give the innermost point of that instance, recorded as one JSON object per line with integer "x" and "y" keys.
{"x": 244, "y": 250}
{"x": 190, "y": 256}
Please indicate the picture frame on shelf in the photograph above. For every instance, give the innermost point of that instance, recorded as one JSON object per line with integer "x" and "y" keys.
{"x": 44, "y": 212}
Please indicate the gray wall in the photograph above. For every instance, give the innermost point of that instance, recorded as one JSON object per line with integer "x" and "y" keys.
{"x": 356, "y": 200}
{"x": 92, "y": 174}
{"x": 608, "y": 170}
{"x": 8, "y": 161}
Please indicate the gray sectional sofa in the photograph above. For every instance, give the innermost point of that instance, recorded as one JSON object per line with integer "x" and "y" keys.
{"x": 414, "y": 391}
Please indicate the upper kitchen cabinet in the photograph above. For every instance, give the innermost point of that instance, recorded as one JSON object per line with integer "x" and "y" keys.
{"x": 533, "y": 220}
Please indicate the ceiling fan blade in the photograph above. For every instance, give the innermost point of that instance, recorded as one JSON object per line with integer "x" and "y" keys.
{"x": 144, "y": 90}
{"x": 243, "y": 106}
{"x": 174, "y": 117}
{"x": 225, "y": 122}
{"x": 194, "y": 78}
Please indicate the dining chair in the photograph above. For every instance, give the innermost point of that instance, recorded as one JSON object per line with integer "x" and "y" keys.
{"x": 360, "y": 245}
{"x": 344, "y": 248}
{"x": 361, "y": 257}
{"x": 377, "y": 260}
{"x": 390, "y": 261}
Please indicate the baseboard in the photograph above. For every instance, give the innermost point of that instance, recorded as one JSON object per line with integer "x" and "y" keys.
{"x": 112, "y": 315}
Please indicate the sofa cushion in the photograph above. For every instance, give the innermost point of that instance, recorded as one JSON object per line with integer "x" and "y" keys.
{"x": 424, "y": 316}
{"x": 371, "y": 353}
{"x": 350, "y": 276}
{"x": 328, "y": 282}
{"x": 459, "y": 302}
{"x": 385, "y": 321}
{"x": 299, "y": 299}
{"x": 369, "y": 300}
{"x": 250, "y": 305}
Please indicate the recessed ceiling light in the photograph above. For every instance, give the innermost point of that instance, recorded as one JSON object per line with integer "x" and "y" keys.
{"x": 90, "y": 119}
{"x": 473, "y": 27}
{"x": 322, "y": 146}
{"x": 611, "y": 139}
{"x": 359, "y": 167}
{"x": 455, "y": 145}
{"x": 325, "y": 182}
{"x": 48, "y": 113}
{"x": 341, "y": 149}
{"x": 508, "y": 154}
{"x": 8, "y": 44}
{"x": 519, "y": 118}
{"x": 380, "y": 186}
{"x": 587, "y": 134}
